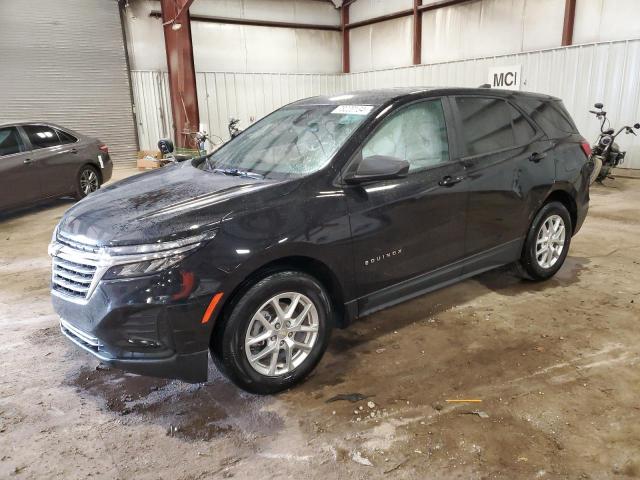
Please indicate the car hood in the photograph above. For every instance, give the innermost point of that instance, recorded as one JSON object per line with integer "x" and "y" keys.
{"x": 163, "y": 204}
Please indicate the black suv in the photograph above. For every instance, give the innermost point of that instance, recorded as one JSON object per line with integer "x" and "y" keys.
{"x": 326, "y": 210}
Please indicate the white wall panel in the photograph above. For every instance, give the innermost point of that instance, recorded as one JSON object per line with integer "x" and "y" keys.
{"x": 542, "y": 24}
{"x": 365, "y": 9}
{"x": 301, "y": 11}
{"x": 603, "y": 20}
{"x": 241, "y": 48}
{"x": 382, "y": 45}
{"x": 152, "y": 107}
{"x": 145, "y": 39}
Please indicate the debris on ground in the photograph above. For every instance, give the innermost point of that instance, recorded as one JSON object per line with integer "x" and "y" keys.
{"x": 479, "y": 413}
{"x": 350, "y": 397}
{"x": 396, "y": 466}
{"x": 370, "y": 404}
{"x": 358, "y": 458}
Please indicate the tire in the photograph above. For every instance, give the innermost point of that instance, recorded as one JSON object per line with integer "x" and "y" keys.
{"x": 597, "y": 166}
{"x": 242, "y": 330}
{"x": 88, "y": 181}
{"x": 533, "y": 264}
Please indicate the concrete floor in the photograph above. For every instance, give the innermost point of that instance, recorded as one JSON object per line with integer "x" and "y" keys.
{"x": 556, "y": 366}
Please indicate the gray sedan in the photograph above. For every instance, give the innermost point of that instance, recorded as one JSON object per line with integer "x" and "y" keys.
{"x": 41, "y": 160}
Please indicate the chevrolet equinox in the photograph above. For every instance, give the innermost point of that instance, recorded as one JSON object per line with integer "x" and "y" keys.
{"x": 326, "y": 210}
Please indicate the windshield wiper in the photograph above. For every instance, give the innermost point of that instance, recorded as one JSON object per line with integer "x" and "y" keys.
{"x": 234, "y": 172}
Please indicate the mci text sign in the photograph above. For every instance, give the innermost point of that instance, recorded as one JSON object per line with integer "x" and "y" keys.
{"x": 505, "y": 77}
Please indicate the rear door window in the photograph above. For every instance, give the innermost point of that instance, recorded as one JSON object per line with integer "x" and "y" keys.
{"x": 491, "y": 124}
{"x": 65, "y": 137}
{"x": 10, "y": 141}
{"x": 41, "y": 136}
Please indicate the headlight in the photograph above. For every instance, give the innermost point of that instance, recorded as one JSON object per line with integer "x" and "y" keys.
{"x": 139, "y": 260}
{"x": 143, "y": 268}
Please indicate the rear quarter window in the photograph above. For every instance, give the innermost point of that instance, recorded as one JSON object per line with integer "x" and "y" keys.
{"x": 492, "y": 124}
{"x": 66, "y": 137}
{"x": 550, "y": 115}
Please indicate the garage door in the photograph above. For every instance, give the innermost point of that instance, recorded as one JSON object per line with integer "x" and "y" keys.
{"x": 65, "y": 62}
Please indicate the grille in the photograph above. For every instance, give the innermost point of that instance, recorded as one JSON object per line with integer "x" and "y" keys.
{"x": 72, "y": 278}
{"x": 76, "y": 268}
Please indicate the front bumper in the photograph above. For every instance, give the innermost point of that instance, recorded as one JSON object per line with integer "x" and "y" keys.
{"x": 148, "y": 325}
{"x": 188, "y": 367}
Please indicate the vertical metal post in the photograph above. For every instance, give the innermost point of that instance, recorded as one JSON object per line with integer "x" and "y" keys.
{"x": 182, "y": 74}
{"x": 344, "y": 21}
{"x": 417, "y": 32}
{"x": 569, "y": 17}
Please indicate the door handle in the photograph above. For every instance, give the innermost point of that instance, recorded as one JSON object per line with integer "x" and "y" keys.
{"x": 536, "y": 157}
{"x": 27, "y": 161}
{"x": 449, "y": 181}
{"x": 74, "y": 150}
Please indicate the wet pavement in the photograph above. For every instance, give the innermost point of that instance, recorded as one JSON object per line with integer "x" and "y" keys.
{"x": 555, "y": 366}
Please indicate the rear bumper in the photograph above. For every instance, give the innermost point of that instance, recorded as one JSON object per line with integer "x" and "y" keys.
{"x": 106, "y": 168}
{"x": 581, "y": 215}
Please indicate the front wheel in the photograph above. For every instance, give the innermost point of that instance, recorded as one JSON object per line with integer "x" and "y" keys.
{"x": 275, "y": 334}
{"x": 547, "y": 242}
{"x": 597, "y": 166}
{"x": 88, "y": 181}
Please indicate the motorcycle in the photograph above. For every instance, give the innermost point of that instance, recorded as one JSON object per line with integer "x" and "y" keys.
{"x": 199, "y": 139}
{"x": 605, "y": 153}
{"x": 234, "y": 130}
{"x": 167, "y": 148}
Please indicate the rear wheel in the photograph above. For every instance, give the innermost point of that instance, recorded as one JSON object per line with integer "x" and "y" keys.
{"x": 547, "y": 242}
{"x": 275, "y": 334}
{"x": 597, "y": 166}
{"x": 88, "y": 181}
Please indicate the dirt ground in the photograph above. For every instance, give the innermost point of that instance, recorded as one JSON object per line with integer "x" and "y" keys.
{"x": 555, "y": 365}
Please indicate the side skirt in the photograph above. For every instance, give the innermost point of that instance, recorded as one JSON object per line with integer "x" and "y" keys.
{"x": 434, "y": 280}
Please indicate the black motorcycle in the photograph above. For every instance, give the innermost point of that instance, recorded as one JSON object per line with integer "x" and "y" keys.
{"x": 605, "y": 153}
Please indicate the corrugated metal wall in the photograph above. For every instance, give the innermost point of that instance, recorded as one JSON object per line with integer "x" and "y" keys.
{"x": 250, "y": 97}
{"x": 65, "y": 62}
{"x": 152, "y": 107}
{"x": 581, "y": 75}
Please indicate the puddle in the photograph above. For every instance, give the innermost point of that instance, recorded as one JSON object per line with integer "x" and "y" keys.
{"x": 197, "y": 412}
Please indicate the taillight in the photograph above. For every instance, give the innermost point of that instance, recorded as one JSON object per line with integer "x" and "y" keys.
{"x": 586, "y": 148}
{"x": 104, "y": 148}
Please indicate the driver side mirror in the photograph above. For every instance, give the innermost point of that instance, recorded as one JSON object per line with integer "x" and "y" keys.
{"x": 599, "y": 106}
{"x": 378, "y": 167}
{"x": 165, "y": 146}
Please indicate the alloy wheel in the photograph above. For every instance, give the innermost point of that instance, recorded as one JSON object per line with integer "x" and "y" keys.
{"x": 88, "y": 181}
{"x": 550, "y": 241}
{"x": 282, "y": 334}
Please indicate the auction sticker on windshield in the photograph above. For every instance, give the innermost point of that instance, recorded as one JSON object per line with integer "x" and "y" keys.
{"x": 353, "y": 109}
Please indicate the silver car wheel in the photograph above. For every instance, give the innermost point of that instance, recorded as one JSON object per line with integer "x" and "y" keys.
{"x": 281, "y": 334}
{"x": 88, "y": 181}
{"x": 550, "y": 241}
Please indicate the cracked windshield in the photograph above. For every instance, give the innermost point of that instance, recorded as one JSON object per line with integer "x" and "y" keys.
{"x": 291, "y": 142}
